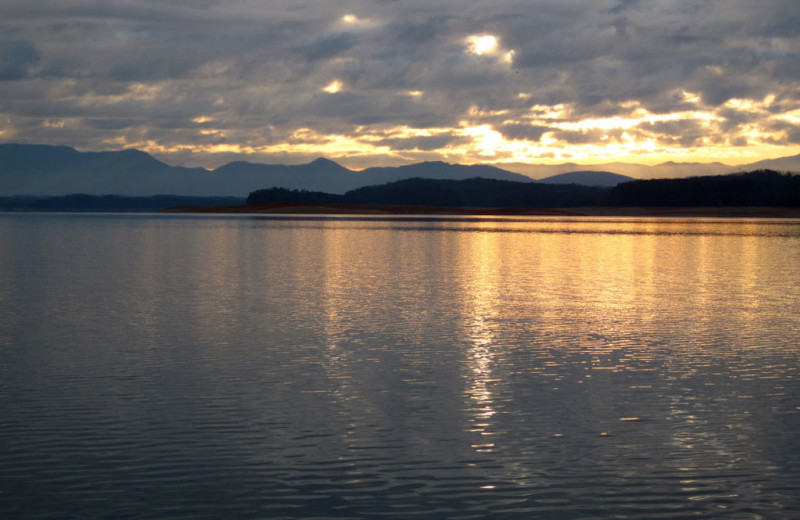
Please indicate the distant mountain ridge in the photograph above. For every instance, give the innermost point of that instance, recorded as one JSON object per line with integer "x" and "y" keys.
{"x": 443, "y": 171}
{"x": 45, "y": 170}
{"x": 669, "y": 169}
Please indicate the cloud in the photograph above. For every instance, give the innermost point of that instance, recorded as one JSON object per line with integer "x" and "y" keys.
{"x": 423, "y": 143}
{"x": 584, "y": 79}
{"x": 329, "y": 46}
{"x": 17, "y": 58}
{"x": 685, "y": 133}
{"x": 587, "y": 136}
{"x": 523, "y": 131}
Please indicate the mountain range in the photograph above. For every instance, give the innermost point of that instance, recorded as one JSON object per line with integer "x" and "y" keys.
{"x": 667, "y": 170}
{"x": 44, "y": 170}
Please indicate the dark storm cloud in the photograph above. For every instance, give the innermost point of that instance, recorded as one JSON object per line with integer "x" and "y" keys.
{"x": 110, "y": 124}
{"x": 417, "y": 31}
{"x": 793, "y": 135}
{"x": 645, "y": 50}
{"x": 329, "y": 46}
{"x": 522, "y": 131}
{"x": 256, "y": 71}
{"x": 787, "y": 133}
{"x": 17, "y": 58}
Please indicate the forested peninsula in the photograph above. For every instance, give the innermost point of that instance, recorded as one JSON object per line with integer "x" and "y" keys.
{"x": 762, "y": 188}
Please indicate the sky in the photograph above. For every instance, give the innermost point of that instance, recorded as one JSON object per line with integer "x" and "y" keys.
{"x": 391, "y": 82}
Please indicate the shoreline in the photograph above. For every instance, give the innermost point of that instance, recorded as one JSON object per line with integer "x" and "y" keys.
{"x": 353, "y": 209}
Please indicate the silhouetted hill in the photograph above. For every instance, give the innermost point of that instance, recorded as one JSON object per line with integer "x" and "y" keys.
{"x": 438, "y": 170}
{"x": 587, "y": 178}
{"x": 758, "y": 188}
{"x": 477, "y": 192}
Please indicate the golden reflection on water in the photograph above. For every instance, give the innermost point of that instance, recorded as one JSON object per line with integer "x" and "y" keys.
{"x": 480, "y": 302}
{"x": 592, "y": 303}
{"x": 610, "y": 297}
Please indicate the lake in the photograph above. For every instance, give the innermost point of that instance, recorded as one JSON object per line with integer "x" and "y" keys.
{"x": 175, "y": 366}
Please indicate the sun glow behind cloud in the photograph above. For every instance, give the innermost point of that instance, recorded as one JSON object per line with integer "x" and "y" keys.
{"x": 353, "y": 20}
{"x": 488, "y": 45}
{"x": 483, "y": 44}
{"x": 333, "y": 87}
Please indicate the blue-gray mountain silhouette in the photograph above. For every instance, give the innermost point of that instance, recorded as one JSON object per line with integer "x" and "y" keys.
{"x": 44, "y": 170}
{"x": 60, "y": 170}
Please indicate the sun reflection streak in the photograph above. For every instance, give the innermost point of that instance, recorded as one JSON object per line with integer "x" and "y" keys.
{"x": 481, "y": 309}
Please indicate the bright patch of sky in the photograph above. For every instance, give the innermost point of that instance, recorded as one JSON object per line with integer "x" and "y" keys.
{"x": 333, "y": 87}
{"x": 482, "y": 44}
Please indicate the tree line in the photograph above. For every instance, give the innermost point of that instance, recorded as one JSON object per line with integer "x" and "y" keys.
{"x": 477, "y": 192}
{"x": 108, "y": 203}
{"x": 756, "y": 188}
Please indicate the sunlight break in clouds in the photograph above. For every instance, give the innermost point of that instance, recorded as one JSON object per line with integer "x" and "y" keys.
{"x": 355, "y": 21}
{"x": 333, "y": 87}
{"x": 484, "y": 44}
{"x": 488, "y": 45}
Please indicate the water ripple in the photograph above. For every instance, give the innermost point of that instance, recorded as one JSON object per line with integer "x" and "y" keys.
{"x": 352, "y": 368}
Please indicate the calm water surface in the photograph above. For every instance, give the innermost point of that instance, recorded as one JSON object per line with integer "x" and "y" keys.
{"x": 204, "y": 367}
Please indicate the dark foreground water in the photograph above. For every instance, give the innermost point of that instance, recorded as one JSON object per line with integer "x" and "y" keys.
{"x": 193, "y": 367}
